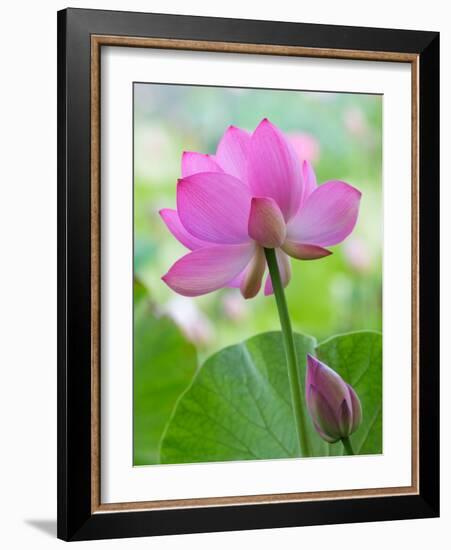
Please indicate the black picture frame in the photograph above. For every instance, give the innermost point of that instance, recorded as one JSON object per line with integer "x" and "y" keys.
{"x": 76, "y": 521}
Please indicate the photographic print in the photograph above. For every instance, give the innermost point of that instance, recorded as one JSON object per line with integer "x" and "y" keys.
{"x": 247, "y": 247}
{"x": 257, "y": 287}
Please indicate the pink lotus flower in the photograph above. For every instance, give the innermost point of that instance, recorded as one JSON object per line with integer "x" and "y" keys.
{"x": 333, "y": 405}
{"x": 305, "y": 145}
{"x": 253, "y": 193}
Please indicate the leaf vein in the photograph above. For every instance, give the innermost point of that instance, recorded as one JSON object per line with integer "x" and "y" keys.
{"x": 370, "y": 427}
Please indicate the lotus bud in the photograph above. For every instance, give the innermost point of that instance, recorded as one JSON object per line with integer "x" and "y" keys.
{"x": 333, "y": 404}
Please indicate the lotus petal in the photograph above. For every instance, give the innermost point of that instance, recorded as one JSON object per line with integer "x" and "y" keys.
{"x": 273, "y": 168}
{"x": 232, "y": 152}
{"x": 214, "y": 207}
{"x": 207, "y": 269}
{"x": 328, "y": 215}
{"x": 193, "y": 163}
{"x": 266, "y": 224}
{"x": 173, "y": 223}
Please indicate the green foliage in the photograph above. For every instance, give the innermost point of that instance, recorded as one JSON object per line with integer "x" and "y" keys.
{"x": 357, "y": 357}
{"x": 238, "y": 407}
{"x": 140, "y": 296}
{"x": 164, "y": 365}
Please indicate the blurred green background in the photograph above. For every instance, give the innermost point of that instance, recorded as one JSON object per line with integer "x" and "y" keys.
{"x": 341, "y": 134}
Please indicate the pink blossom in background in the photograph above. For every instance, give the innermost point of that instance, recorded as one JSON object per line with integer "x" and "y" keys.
{"x": 333, "y": 404}
{"x": 357, "y": 255}
{"x": 194, "y": 324}
{"x": 233, "y": 307}
{"x": 253, "y": 193}
{"x": 151, "y": 140}
{"x": 305, "y": 146}
{"x": 355, "y": 122}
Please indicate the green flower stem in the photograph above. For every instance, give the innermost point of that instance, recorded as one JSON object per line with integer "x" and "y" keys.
{"x": 290, "y": 352}
{"x": 347, "y": 446}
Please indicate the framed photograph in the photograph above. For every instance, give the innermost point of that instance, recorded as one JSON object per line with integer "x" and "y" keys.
{"x": 248, "y": 274}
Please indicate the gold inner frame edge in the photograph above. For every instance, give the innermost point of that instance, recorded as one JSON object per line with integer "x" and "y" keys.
{"x": 97, "y": 41}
